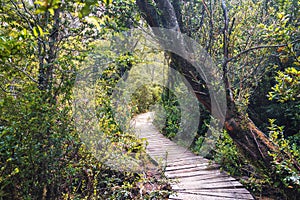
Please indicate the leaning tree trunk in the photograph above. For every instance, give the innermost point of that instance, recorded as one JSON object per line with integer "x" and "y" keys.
{"x": 252, "y": 143}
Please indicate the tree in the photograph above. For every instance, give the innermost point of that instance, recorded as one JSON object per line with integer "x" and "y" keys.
{"x": 43, "y": 45}
{"x": 38, "y": 65}
{"x": 252, "y": 142}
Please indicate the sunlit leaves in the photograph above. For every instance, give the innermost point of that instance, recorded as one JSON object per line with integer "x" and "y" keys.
{"x": 94, "y": 21}
{"x": 38, "y": 31}
{"x": 107, "y": 2}
{"x": 87, "y": 7}
{"x": 46, "y": 5}
{"x": 287, "y": 86}
{"x": 286, "y": 174}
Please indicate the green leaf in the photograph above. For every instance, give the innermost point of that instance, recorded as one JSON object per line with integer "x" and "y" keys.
{"x": 35, "y": 32}
{"x": 85, "y": 11}
{"x": 107, "y": 2}
{"x": 40, "y": 31}
{"x": 51, "y": 11}
{"x": 39, "y": 3}
{"x": 94, "y": 21}
{"x": 280, "y": 15}
{"x": 16, "y": 170}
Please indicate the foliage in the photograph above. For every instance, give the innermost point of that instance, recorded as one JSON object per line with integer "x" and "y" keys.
{"x": 114, "y": 123}
{"x": 41, "y": 156}
{"x": 44, "y": 45}
{"x": 167, "y": 118}
{"x": 145, "y": 97}
{"x": 287, "y": 85}
{"x": 117, "y": 130}
{"x": 36, "y": 154}
{"x": 227, "y": 155}
{"x": 285, "y": 173}
{"x": 35, "y": 145}
{"x": 284, "y": 179}
{"x": 282, "y": 65}
{"x": 253, "y": 39}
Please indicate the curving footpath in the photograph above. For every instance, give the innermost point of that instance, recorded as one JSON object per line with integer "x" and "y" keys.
{"x": 195, "y": 177}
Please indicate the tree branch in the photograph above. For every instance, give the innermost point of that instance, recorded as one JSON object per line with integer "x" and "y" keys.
{"x": 259, "y": 47}
{"x": 177, "y": 9}
{"x": 26, "y": 74}
{"x": 149, "y": 12}
{"x": 229, "y": 95}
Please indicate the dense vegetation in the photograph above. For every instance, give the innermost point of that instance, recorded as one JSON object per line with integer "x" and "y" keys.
{"x": 46, "y": 46}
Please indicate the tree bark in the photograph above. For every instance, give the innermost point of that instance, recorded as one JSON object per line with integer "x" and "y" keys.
{"x": 252, "y": 143}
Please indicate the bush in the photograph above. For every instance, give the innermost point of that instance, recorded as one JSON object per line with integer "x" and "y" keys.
{"x": 145, "y": 97}
{"x": 285, "y": 174}
{"x": 167, "y": 117}
{"x": 283, "y": 182}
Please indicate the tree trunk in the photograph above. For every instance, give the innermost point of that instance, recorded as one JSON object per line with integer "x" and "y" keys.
{"x": 252, "y": 143}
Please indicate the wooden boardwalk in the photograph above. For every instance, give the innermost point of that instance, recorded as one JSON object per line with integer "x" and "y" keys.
{"x": 195, "y": 177}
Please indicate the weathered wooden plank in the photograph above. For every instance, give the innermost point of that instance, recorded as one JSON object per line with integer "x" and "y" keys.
{"x": 168, "y": 156}
{"x": 207, "y": 176}
{"x": 192, "y": 159}
{"x": 232, "y": 194}
{"x": 218, "y": 190}
{"x": 193, "y": 166}
{"x": 206, "y": 181}
{"x": 187, "y": 173}
{"x": 210, "y": 196}
{"x": 181, "y": 156}
{"x": 203, "y": 185}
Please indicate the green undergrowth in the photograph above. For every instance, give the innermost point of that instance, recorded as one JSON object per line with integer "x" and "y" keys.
{"x": 42, "y": 157}
{"x": 49, "y": 150}
{"x": 282, "y": 183}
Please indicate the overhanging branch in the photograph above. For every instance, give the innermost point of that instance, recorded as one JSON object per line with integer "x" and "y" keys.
{"x": 259, "y": 47}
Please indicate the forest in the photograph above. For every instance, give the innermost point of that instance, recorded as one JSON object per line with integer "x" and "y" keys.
{"x": 221, "y": 76}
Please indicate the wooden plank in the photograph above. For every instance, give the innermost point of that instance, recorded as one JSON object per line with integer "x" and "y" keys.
{"x": 233, "y": 194}
{"x": 218, "y": 190}
{"x": 202, "y": 185}
{"x": 184, "y": 158}
{"x": 193, "y": 166}
{"x": 194, "y": 171}
{"x": 211, "y": 196}
{"x": 206, "y": 176}
{"x": 206, "y": 181}
{"x": 190, "y": 174}
{"x": 191, "y": 159}
{"x": 195, "y": 186}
